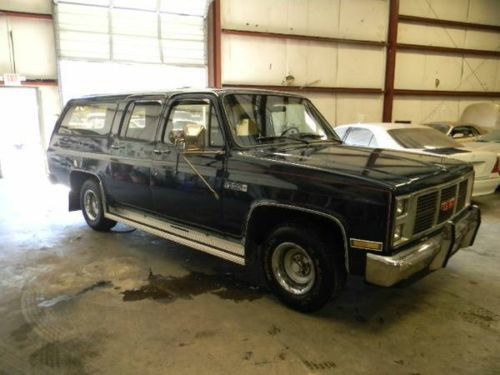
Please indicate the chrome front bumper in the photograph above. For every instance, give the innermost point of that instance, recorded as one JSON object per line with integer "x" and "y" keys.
{"x": 431, "y": 254}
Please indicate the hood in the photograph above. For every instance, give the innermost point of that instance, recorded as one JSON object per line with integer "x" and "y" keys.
{"x": 485, "y": 146}
{"x": 390, "y": 168}
{"x": 482, "y": 161}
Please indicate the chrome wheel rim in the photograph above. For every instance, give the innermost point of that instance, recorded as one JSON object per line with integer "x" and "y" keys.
{"x": 293, "y": 268}
{"x": 91, "y": 205}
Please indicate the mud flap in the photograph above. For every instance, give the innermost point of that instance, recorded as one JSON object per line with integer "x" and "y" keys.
{"x": 74, "y": 201}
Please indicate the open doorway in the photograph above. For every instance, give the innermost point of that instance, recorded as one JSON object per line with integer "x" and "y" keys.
{"x": 21, "y": 152}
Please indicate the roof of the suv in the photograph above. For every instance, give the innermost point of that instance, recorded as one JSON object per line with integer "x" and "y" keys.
{"x": 190, "y": 90}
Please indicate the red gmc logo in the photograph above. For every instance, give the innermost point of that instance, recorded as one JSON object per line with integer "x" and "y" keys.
{"x": 448, "y": 205}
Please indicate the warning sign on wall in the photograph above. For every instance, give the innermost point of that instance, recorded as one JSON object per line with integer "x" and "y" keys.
{"x": 13, "y": 79}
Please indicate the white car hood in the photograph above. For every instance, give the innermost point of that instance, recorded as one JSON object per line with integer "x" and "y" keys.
{"x": 482, "y": 161}
{"x": 485, "y": 146}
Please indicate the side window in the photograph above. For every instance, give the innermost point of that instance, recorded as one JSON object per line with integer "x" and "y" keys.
{"x": 473, "y": 131}
{"x": 143, "y": 120}
{"x": 91, "y": 118}
{"x": 360, "y": 137}
{"x": 464, "y": 132}
{"x": 197, "y": 123}
{"x": 340, "y": 132}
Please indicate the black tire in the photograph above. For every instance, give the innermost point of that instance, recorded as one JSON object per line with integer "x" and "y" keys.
{"x": 92, "y": 207}
{"x": 311, "y": 257}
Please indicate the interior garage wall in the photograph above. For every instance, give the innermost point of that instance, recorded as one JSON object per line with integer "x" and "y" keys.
{"x": 251, "y": 60}
{"x": 31, "y": 53}
{"x": 421, "y": 70}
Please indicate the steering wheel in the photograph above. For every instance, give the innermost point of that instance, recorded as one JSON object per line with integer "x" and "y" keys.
{"x": 295, "y": 129}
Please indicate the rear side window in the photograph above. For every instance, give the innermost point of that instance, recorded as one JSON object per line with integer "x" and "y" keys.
{"x": 361, "y": 137}
{"x": 89, "y": 118}
{"x": 143, "y": 120}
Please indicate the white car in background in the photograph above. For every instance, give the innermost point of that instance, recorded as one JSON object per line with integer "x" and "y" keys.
{"x": 488, "y": 142}
{"x": 461, "y": 132}
{"x": 423, "y": 139}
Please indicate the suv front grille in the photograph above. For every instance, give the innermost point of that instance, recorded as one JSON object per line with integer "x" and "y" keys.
{"x": 447, "y": 195}
{"x": 440, "y": 205}
{"x": 426, "y": 210}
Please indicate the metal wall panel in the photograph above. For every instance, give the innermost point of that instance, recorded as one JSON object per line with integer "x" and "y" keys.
{"x": 425, "y": 109}
{"x": 253, "y": 60}
{"x": 419, "y": 71}
{"x": 431, "y": 35}
{"x": 358, "y": 108}
{"x": 448, "y": 37}
{"x": 341, "y": 109}
{"x": 480, "y": 74}
{"x": 326, "y": 104}
{"x": 475, "y": 11}
{"x": 34, "y": 50}
{"x": 35, "y": 6}
{"x": 360, "y": 66}
{"x": 362, "y": 19}
{"x": 455, "y": 10}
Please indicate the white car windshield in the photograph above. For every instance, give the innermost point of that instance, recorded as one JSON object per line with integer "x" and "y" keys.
{"x": 257, "y": 119}
{"x": 443, "y": 128}
{"x": 422, "y": 138}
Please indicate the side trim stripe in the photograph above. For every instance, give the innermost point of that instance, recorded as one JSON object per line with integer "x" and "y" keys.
{"x": 225, "y": 249}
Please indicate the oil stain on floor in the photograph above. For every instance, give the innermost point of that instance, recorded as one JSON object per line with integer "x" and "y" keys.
{"x": 168, "y": 288}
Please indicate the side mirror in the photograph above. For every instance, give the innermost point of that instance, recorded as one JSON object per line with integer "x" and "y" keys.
{"x": 194, "y": 137}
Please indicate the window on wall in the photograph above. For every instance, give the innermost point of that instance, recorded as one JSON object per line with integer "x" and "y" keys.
{"x": 165, "y": 31}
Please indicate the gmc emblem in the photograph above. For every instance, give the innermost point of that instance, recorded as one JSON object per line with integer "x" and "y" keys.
{"x": 448, "y": 205}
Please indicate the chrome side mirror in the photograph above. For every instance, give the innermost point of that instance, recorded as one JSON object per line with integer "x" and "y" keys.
{"x": 194, "y": 137}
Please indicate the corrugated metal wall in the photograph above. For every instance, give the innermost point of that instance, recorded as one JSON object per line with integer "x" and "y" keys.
{"x": 268, "y": 61}
{"x": 435, "y": 71}
{"x": 248, "y": 60}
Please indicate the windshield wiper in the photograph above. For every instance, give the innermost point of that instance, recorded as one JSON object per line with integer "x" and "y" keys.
{"x": 273, "y": 137}
{"x": 310, "y": 135}
{"x": 318, "y": 136}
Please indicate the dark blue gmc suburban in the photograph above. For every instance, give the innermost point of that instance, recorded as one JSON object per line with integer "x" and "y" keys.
{"x": 260, "y": 177}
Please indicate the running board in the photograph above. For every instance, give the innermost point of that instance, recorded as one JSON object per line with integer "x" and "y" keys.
{"x": 222, "y": 248}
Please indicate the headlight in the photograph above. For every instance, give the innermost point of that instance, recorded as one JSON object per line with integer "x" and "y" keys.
{"x": 402, "y": 222}
{"x": 401, "y": 207}
{"x": 398, "y": 233}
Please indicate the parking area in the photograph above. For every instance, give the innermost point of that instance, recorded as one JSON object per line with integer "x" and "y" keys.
{"x": 76, "y": 301}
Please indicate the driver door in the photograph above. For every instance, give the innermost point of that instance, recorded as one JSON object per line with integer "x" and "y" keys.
{"x": 187, "y": 185}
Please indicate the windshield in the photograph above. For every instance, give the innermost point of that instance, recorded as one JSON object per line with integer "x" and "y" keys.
{"x": 257, "y": 119}
{"x": 492, "y": 136}
{"x": 422, "y": 138}
{"x": 440, "y": 127}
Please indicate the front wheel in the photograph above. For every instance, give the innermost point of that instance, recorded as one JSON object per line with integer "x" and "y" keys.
{"x": 303, "y": 270}
{"x": 93, "y": 207}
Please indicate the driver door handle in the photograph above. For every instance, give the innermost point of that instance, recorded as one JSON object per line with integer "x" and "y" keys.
{"x": 115, "y": 146}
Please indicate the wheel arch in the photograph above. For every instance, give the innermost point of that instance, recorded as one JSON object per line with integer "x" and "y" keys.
{"x": 76, "y": 179}
{"x": 268, "y": 214}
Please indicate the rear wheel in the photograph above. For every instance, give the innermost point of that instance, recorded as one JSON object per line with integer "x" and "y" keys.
{"x": 93, "y": 208}
{"x": 301, "y": 268}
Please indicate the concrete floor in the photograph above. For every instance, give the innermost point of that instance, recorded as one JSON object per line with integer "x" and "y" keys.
{"x": 74, "y": 301}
